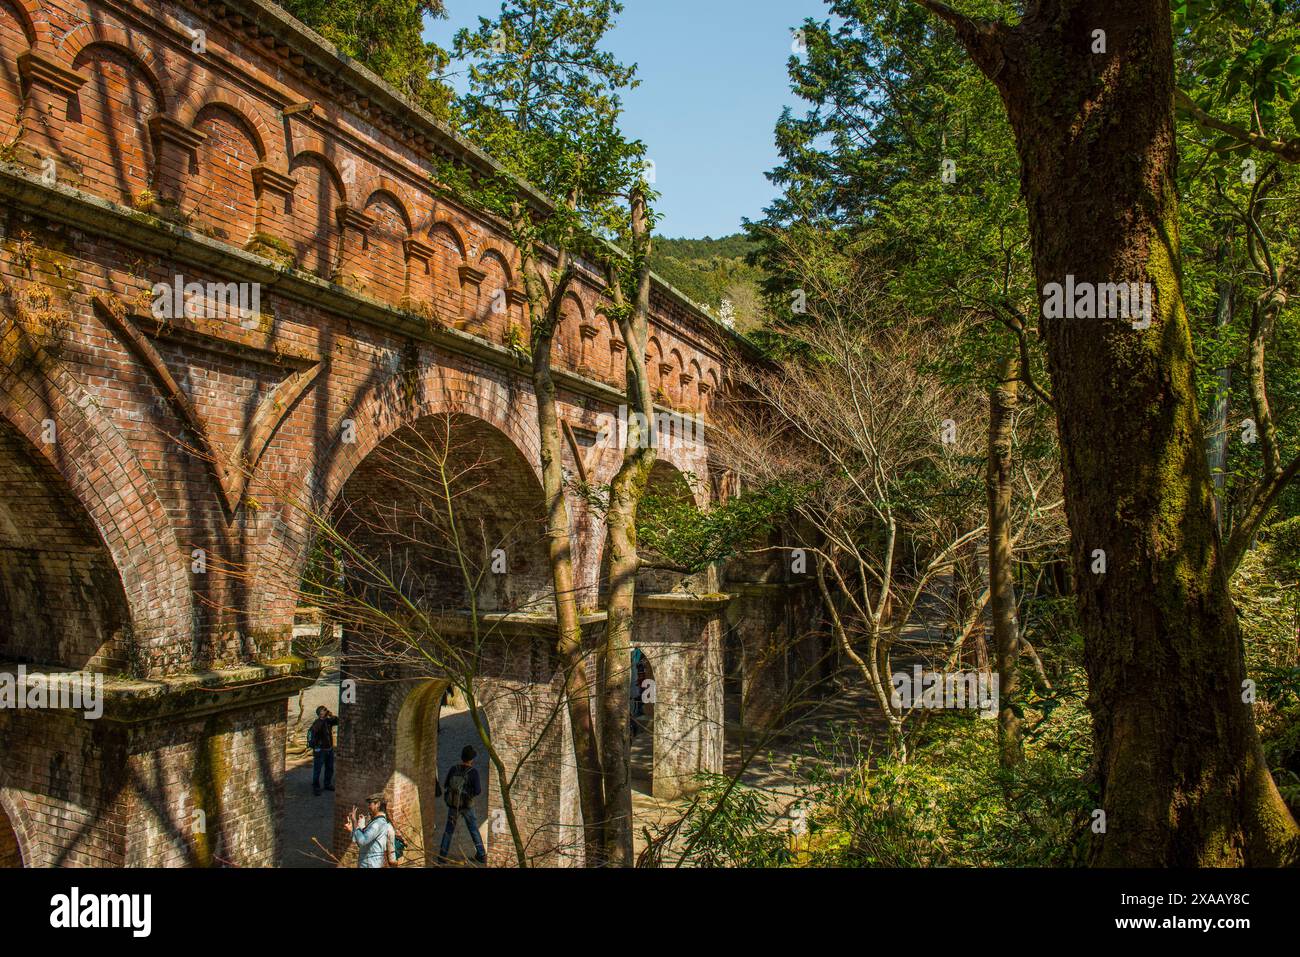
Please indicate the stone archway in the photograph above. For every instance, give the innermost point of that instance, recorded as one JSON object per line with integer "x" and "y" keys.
{"x": 447, "y": 582}
{"x": 414, "y": 783}
{"x": 644, "y": 697}
{"x": 61, "y": 597}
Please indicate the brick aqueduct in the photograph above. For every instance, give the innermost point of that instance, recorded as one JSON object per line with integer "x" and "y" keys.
{"x": 223, "y": 142}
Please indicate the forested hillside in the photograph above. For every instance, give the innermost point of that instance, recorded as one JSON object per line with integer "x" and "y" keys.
{"x": 712, "y": 271}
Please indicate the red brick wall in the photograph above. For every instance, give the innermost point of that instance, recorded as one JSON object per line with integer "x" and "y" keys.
{"x": 61, "y": 598}
{"x": 221, "y": 199}
{"x": 13, "y": 41}
{"x": 106, "y": 140}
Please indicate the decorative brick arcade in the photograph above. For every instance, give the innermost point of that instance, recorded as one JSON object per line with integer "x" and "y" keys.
{"x": 145, "y": 531}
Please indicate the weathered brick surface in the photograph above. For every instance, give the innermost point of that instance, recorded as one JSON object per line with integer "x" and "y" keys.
{"x": 208, "y": 438}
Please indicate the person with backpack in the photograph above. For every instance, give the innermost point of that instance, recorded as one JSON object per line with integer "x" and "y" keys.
{"x": 320, "y": 738}
{"x": 459, "y": 790}
{"x": 377, "y": 839}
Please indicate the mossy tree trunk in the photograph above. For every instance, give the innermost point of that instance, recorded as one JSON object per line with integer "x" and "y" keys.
{"x": 1002, "y": 590}
{"x": 1183, "y": 781}
{"x": 544, "y": 317}
{"x": 626, "y": 490}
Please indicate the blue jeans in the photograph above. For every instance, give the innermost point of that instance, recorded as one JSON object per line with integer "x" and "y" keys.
{"x": 471, "y": 822}
{"x": 322, "y": 758}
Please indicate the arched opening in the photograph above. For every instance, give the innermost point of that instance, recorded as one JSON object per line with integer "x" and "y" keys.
{"x": 385, "y": 259}
{"x": 61, "y": 598}
{"x": 642, "y": 697}
{"x": 457, "y": 730}
{"x": 10, "y": 853}
{"x": 445, "y": 583}
{"x": 413, "y": 807}
{"x": 667, "y": 487}
{"x": 310, "y": 224}
{"x": 221, "y": 196}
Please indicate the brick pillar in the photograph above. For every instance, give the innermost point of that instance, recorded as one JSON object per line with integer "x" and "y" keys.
{"x": 174, "y": 145}
{"x": 274, "y": 189}
{"x": 517, "y": 313}
{"x": 783, "y": 655}
{"x": 587, "y": 337}
{"x": 419, "y": 277}
{"x": 681, "y": 635}
{"x": 50, "y": 108}
{"x": 354, "y": 224}
{"x": 471, "y": 284}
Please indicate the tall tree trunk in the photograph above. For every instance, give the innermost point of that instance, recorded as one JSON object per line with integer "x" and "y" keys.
{"x": 626, "y": 490}
{"x": 1182, "y": 774}
{"x": 578, "y": 693}
{"x": 1002, "y": 590}
{"x": 1219, "y": 414}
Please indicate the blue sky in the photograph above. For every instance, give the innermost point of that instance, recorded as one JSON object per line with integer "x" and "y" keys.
{"x": 713, "y": 82}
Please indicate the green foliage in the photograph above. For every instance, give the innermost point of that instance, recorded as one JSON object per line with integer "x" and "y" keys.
{"x": 713, "y": 270}
{"x": 674, "y": 528}
{"x": 731, "y": 827}
{"x": 387, "y": 37}
{"x": 904, "y": 154}
{"x": 1241, "y": 57}
{"x": 950, "y": 806}
{"x": 544, "y": 102}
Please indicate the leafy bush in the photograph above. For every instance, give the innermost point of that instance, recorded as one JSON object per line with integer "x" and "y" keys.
{"x": 951, "y": 805}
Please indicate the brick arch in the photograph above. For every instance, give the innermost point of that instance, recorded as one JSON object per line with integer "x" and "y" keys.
{"x": 147, "y": 60}
{"x": 251, "y": 114}
{"x": 499, "y": 505}
{"x": 448, "y": 247}
{"x": 103, "y": 474}
{"x": 385, "y": 256}
{"x": 304, "y": 143}
{"x": 573, "y": 313}
{"x": 654, "y": 357}
{"x": 222, "y": 196}
{"x": 387, "y": 193}
{"x": 302, "y": 157}
{"x": 310, "y": 226}
{"x": 492, "y": 253}
{"x": 498, "y": 279}
{"x": 377, "y": 412}
{"x": 28, "y": 14}
{"x": 667, "y": 475}
{"x": 113, "y": 108}
{"x": 445, "y": 227}
{"x": 12, "y": 808}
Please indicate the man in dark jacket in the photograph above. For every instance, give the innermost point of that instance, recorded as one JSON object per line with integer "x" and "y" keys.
{"x": 321, "y": 740}
{"x": 460, "y": 789}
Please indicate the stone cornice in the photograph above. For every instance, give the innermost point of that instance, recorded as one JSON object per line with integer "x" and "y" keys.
{"x": 351, "y": 217}
{"x": 273, "y": 180}
{"x": 34, "y": 68}
{"x": 469, "y": 276}
{"x": 415, "y": 249}
{"x": 684, "y": 603}
{"x": 135, "y": 701}
{"x": 168, "y": 130}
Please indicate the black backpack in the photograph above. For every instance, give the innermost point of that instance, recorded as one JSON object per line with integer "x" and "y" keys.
{"x": 458, "y": 795}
